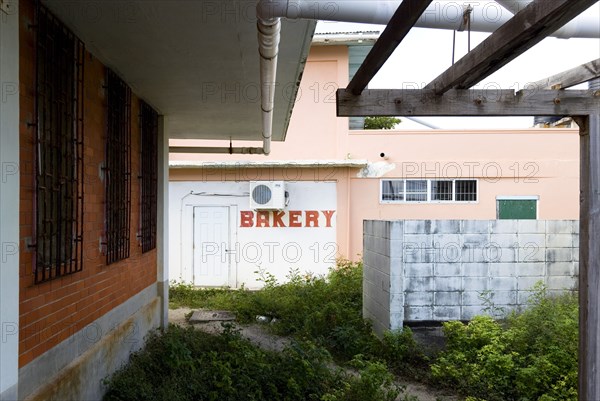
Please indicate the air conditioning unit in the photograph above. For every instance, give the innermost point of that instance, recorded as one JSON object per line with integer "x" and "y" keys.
{"x": 268, "y": 195}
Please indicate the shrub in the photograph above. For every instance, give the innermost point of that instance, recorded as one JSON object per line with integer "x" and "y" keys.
{"x": 402, "y": 353}
{"x": 530, "y": 356}
{"x": 186, "y": 364}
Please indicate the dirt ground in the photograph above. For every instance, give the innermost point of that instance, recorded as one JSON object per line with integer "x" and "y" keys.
{"x": 257, "y": 334}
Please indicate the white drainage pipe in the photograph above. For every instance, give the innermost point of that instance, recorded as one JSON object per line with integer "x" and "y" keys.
{"x": 269, "y": 32}
{"x": 583, "y": 26}
{"x": 487, "y": 16}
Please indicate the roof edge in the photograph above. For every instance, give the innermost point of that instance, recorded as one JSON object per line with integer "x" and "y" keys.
{"x": 180, "y": 164}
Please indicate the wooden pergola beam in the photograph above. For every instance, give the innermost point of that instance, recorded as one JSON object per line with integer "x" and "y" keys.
{"x": 396, "y": 30}
{"x": 589, "y": 258}
{"x": 466, "y": 102}
{"x": 566, "y": 79}
{"x": 527, "y": 28}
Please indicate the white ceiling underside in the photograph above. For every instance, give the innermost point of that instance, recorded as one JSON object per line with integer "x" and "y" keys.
{"x": 195, "y": 61}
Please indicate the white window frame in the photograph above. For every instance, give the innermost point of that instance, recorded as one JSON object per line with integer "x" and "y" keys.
{"x": 429, "y": 191}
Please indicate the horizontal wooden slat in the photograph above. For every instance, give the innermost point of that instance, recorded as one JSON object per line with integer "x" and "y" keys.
{"x": 464, "y": 102}
{"x": 572, "y": 77}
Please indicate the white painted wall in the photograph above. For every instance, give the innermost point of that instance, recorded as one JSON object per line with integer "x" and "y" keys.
{"x": 9, "y": 201}
{"x": 276, "y": 250}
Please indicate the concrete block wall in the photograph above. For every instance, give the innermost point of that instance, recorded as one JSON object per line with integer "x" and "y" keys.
{"x": 437, "y": 270}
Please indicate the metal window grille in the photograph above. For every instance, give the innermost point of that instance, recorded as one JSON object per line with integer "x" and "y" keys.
{"x": 416, "y": 190}
{"x": 58, "y": 149}
{"x": 118, "y": 168}
{"x": 403, "y": 191}
{"x": 148, "y": 176}
{"x": 466, "y": 190}
{"x": 392, "y": 190}
{"x": 441, "y": 190}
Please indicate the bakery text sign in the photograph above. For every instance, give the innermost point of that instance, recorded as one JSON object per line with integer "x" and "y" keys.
{"x": 290, "y": 218}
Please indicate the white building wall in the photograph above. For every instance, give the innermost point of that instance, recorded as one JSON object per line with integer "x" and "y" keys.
{"x": 303, "y": 238}
{"x": 9, "y": 201}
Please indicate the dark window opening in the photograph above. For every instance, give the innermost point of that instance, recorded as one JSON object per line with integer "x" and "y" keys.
{"x": 148, "y": 176}
{"x": 118, "y": 168}
{"x": 466, "y": 190}
{"x": 58, "y": 149}
{"x": 441, "y": 190}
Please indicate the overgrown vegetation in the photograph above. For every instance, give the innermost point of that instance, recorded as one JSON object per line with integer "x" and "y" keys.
{"x": 324, "y": 310}
{"x": 529, "y": 356}
{"x": 186, "y": 364}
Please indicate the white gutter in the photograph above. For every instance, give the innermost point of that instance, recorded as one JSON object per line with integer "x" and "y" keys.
{"x": 345, "y": 38}
{"x": 216, "y": 149}
{"x": 352, "y": 163}
{"x": 487, "y": 16}
{"x": 583, "y": 26}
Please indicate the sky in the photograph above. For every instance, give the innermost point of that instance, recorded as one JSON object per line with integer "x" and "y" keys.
{"x": 426, "y": 53}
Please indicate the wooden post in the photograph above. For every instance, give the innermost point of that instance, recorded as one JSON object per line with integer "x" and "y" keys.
{"x": 589, "y": 260}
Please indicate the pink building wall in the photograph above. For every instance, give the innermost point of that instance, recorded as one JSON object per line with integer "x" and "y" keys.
{"x": 532, "y": 162}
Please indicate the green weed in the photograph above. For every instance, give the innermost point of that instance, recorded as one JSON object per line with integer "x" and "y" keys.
{"x": 186, "y": 364}
{"x": 530, "y": 356}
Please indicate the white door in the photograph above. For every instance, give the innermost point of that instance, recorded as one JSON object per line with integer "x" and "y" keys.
{"x": 211, "y": 246}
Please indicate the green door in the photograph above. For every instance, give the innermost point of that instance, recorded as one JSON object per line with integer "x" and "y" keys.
{"x": 517, "y": 209}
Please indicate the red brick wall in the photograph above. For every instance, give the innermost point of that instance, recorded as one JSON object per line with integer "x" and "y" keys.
{"x": 50, "y": 312}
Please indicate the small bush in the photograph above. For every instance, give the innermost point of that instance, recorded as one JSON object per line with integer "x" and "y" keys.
{"x": 530, "y": 356}
{"x": 402, "y": 353}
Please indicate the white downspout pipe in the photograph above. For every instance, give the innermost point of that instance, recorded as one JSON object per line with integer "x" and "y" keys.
{"x": 269, "y": 33}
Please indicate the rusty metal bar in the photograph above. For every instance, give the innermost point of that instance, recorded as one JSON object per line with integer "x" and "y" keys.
{"x": 148, "y": 176}
{"x": 58, "y": 149}
{"x": 118, "y": 168}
